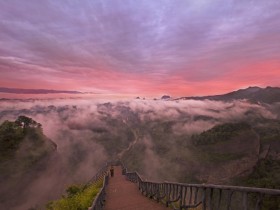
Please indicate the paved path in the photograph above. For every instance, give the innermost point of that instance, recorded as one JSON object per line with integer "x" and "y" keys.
{"x": 124, "y": 195}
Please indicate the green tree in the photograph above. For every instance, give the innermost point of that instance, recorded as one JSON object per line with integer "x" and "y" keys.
{"x": 26, "y": 122}
{"x": 10, "y": 137}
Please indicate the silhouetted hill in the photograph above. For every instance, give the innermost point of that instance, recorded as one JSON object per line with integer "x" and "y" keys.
{"x": 254, "y": 94}
{"x": 35, "y": 91}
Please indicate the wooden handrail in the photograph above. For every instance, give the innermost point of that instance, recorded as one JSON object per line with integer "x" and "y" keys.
{"x": 208, "y": 196}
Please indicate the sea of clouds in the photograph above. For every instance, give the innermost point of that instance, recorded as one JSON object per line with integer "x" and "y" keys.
{"x": 74, "y": 124}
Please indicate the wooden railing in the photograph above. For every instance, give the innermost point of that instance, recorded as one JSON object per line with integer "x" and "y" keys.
{"x": 206, "y": 196}
{"x": 99, "y": 175}
{"x": 99, "y": 200}
{"x": 194, "y": 196}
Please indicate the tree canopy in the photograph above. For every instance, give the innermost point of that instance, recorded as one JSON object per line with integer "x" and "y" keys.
{"x": 26, "y": 122}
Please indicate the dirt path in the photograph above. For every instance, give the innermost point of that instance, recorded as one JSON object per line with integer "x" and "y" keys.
{"x": 131, "y": 144}
{"x": 124, "y": 195}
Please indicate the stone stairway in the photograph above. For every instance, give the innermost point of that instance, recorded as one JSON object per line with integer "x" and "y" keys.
{"x": 122, "y": 194}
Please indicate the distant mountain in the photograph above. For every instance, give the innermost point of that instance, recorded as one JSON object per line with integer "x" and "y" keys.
{"x": 35, "y": 91}
{"x": 254, "y": 94}
{"x": 165, "y": 97}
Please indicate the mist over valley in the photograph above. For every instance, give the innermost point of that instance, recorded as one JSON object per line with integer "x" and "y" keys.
{"x": 194, "y": 141}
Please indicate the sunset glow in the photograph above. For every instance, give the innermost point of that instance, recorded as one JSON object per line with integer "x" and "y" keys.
{"x": 140, "y": 48}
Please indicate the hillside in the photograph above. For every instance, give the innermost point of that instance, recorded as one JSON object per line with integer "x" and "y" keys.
{"x": 225, "y": 154}
{"x": 23, "y": 139}
{"x": 24, "y": 152}
{"x": 254, "y": 94}
{"x": 251, "y": 154}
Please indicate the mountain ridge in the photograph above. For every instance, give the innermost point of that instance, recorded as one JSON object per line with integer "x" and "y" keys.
{"x": 253, "y": 94}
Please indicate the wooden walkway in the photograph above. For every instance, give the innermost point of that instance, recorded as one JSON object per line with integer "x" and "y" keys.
{"x": 124, "y": 195}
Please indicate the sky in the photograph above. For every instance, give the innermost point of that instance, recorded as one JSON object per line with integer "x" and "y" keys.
{"x": 141, "y": 48}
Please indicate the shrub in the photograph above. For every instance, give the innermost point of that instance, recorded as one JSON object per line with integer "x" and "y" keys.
{"x": 78, "y": 198}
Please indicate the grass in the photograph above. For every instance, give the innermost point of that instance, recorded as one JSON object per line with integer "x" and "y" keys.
{"x": 78, "y": 198}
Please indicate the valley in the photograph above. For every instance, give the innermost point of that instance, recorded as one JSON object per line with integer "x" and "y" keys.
{"x": 191, "y": 141}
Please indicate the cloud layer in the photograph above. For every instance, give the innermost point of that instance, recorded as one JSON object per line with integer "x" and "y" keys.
{"x": 90, "y": 132}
